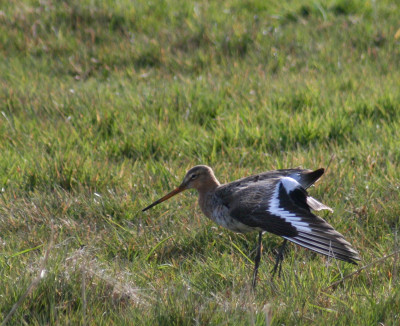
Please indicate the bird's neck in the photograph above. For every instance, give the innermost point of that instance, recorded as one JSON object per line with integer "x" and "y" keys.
{"x": 206, "y": 192}
{"x": 209, "y": 186}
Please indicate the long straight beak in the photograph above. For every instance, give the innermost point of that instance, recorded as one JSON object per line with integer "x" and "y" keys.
{"x": 172, "y": 193}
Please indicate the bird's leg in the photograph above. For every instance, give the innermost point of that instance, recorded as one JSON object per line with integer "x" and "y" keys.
{"x": 257, "y": 260}
{"x": 279, "y": 259}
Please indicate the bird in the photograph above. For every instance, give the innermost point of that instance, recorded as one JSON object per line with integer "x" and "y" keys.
{"x": 276, "y": 202}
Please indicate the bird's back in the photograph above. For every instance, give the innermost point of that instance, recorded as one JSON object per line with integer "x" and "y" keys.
{"x": 303, "y": 176}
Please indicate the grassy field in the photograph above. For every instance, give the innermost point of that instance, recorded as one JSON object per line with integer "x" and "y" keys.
{"x": 104, "y": 105}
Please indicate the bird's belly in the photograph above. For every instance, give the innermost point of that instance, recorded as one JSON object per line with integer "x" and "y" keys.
{"x": 221, "y": 216}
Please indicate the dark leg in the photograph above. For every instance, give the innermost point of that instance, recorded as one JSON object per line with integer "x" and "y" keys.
{"x": 279, "y": 259}
{"x": 257, "y": 260}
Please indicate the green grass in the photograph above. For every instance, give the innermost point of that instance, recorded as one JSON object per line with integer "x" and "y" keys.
{"x": 104, "y": 105}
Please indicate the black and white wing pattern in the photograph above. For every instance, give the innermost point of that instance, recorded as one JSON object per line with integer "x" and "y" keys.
{"x": 282, "y": 206}
{"x": 304, "y": 177}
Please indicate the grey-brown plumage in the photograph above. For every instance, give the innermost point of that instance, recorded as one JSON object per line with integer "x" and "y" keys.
{"x": 275, "y": 202}
{"x": 249, "y": 203}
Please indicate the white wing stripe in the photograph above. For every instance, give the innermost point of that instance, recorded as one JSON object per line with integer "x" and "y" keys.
{"x": 301, "y": 228}
{"x": 290, "y": 184}
{"x": 275, "y": 208}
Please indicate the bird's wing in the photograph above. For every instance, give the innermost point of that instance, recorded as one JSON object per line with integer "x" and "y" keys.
{"x": 303, "y": 176}
{"x": 282, "y": 206}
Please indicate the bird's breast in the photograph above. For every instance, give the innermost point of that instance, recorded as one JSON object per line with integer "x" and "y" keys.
{"x": 215, "y": 210}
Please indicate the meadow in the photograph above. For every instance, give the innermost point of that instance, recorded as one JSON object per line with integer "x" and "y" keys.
{"x": 104, "y": 105}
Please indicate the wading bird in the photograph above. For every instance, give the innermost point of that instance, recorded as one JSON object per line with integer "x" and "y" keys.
{"x": 275, "y": 202}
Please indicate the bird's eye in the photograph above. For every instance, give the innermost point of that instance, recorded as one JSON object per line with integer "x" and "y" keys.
{"x": 194, "y": 176}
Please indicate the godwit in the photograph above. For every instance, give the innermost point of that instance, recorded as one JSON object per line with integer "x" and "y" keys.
{"x": 274, "y": 201}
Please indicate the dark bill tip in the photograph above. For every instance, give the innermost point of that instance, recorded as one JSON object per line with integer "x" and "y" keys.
{"x": 169, "y": 195}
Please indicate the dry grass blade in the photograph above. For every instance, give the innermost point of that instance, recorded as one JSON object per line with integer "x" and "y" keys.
{"x": 118, "y": 285}
{"x": 34, "y": 282}
{"x": 361, "y": 269}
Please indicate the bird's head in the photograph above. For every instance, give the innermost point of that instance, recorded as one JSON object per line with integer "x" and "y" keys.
{"x": 200, "y": 177}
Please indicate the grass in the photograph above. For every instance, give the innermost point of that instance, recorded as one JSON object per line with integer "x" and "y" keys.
{"x": 104, "y": 105}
